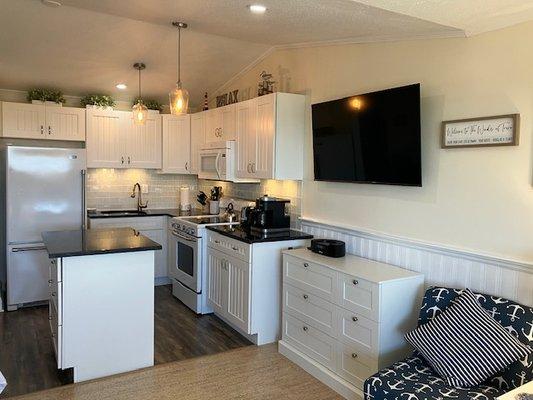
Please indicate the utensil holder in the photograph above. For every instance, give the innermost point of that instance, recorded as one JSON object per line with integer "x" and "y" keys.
{"x": 214, "y": 207}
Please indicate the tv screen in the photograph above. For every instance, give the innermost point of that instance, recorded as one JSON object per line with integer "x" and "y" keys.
{"x": 369, "y": 138}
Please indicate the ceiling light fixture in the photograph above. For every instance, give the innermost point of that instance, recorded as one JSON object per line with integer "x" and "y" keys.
{"x": 51, "y": 3}
{"x": 121, "y": 86}
{"x": 257, "y": 8}
{"x": 179, "y": 97}
{"x": 140, "y": 112}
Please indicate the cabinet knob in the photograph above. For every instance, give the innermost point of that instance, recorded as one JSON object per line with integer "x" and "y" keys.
{"x": 129, "y": 160}
{"x": 122, "y": 160}
{"x": 306, "y": 265}
{"x": 355, "y": 282}
{"x": 306, "y": 296}
{"x": 354, "y": 355}
{"x": 355, "y": 319}
{"x": 186, "y": 166}
{"x": 42, "y": 130}
{"x": 49, "y": 130}
{"x": 305, "y": 328}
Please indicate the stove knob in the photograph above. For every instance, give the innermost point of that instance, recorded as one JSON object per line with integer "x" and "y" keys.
{"x": 190, "y": 231}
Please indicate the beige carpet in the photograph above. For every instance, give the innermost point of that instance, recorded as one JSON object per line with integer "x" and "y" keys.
{"x": 248, "y": 373}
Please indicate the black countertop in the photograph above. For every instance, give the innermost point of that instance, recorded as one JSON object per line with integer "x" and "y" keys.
{"x": 161, "y": 212}
{"x": 96, "y": 241}
{"x": 238, "y": 233}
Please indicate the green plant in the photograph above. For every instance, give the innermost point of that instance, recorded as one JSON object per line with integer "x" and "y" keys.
{"x": 100, "y": 100}
{"x": 150, "y": 104}
{"x": 41, "y": 94}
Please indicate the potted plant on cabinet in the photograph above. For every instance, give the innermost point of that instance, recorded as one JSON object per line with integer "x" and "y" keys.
{"x": 50, "y": 97}
{"x": 150, "y": 104}
{"x": 98, "y": 101}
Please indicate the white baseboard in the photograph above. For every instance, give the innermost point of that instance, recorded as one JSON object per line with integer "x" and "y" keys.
{"x": 441, "y": 266}
{"x": 324, "y": 375}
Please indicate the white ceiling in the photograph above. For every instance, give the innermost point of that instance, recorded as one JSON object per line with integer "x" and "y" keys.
{"x": 90, "y": 45}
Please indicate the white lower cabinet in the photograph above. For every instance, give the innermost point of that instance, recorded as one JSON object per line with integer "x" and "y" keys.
{"x": 229, "y": 288}
{"x": 244, "y": 284}
{"x": 344, "y": 319}
{"x": 101, "y": 313}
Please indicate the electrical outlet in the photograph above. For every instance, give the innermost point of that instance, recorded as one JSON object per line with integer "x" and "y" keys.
{"x": 144, "y": 188}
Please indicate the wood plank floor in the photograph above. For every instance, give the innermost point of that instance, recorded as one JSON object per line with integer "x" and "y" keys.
{"x": 27, "y": 357}
{"x": 248, "y": 373}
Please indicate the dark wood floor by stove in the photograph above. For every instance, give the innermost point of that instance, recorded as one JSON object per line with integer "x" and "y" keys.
{"x": 27, "y": 357}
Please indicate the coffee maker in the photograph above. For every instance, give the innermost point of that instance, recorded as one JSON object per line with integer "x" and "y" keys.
{"x": 269, "y": 217}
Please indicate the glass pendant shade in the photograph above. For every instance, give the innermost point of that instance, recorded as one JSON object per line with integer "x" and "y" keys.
{"x": 179, "y": 100}
{"x": 140, "y": 113}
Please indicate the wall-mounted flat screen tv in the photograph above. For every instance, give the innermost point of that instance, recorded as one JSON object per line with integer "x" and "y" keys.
{"x": 369, "y": 138}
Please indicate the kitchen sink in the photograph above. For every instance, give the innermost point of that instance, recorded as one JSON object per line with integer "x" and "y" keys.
{"x": 123, "y": 212}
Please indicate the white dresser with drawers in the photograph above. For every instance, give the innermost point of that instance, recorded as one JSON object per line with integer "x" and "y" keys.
{"x": 344, "y": 318}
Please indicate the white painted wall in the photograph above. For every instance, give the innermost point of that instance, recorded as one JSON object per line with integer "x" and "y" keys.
{"x": 475, "y": 199}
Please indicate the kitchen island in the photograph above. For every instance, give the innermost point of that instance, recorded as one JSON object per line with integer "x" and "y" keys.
{"x": 101, "y": 301}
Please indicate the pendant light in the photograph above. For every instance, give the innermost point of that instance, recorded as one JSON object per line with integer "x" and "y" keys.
{"x": 140, "y": 112}
{"x": 179, "y": 97}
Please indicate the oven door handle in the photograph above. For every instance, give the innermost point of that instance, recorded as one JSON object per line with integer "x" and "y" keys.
{"x": 174, "y": 233}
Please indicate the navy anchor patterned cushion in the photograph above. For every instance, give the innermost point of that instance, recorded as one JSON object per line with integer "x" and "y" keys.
{"x": 413, "y": 379}
{"x": 465, "y": 344}
{"x": 516, "y": 318}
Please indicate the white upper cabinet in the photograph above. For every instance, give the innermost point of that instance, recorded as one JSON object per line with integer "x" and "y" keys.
{"x": 143, "y": 142}
{"x": 220, "y": 124}
{"x": 105, "y": 146}
{"x": 197, "y": 140}
{"x": 270, "y": 136}
{"x": 246, "y": 137}
{"x": 176, "y": 144}
{"x": 38, "y": 121}
{"x": 65, "y": 123}
{"x": 114, "y": 141}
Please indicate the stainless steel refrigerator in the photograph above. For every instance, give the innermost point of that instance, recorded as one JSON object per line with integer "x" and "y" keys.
{"x": 44, "y": 191}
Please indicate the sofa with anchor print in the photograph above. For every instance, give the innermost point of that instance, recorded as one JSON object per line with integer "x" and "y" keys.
{"x": 413, "y": 379}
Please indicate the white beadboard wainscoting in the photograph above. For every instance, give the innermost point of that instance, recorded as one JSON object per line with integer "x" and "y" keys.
{"x": 441, "y": 265}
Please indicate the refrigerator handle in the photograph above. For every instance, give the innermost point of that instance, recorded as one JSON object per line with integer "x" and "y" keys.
{"x": 83, "y": 205}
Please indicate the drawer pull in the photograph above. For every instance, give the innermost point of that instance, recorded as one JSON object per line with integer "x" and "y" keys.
{"x": 354, "y": 355}
{"x": 306, "y": 265}
{"x": 306, "y": 296}
{"x": 305, "y": 328}
{"x": 50, "y": 281}
{"x": 355, "y": 282}
{"x": 355, "y": 319}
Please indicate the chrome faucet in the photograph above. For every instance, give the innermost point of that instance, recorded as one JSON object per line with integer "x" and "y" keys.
{"x": 140, "y": 205}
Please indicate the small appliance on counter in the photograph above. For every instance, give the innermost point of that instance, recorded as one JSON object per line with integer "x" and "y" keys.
{"x": 328, "y": 247}
{"x": 269, "y": 217}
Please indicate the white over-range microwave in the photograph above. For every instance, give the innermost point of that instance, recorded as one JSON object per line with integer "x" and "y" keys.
{"x": 218, "y": 161}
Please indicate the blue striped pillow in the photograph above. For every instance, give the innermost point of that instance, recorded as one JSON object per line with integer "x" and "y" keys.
{"x": 465, "y": 345}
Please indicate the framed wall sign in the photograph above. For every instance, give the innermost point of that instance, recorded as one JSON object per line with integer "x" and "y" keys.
{"x": 500, "y": 130}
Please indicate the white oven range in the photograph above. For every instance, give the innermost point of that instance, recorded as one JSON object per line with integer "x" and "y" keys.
{"x": 188, "y": 261}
